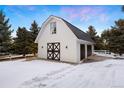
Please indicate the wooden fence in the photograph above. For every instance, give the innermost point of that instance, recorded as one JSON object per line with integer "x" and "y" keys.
{"x": 10, "y": 57}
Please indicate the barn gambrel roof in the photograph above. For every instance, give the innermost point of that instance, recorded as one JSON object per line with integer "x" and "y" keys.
{"x": 78, "y": 33}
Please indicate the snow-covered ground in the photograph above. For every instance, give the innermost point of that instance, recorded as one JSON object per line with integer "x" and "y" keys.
{"x": 112, "y": 55}
{"x": 39, "y": 73}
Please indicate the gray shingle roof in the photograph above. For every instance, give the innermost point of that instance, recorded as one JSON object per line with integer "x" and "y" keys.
{"x": 79, "y": 33}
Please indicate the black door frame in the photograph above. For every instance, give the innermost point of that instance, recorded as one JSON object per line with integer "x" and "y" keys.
{"x": 89, "y": 50}
{"x": 53, "y": 51}
{"x": 82, "y": 51}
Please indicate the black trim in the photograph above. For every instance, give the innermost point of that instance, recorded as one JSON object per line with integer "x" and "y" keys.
{"x": 82, "y": 51}
{"x": 53, "y": 51}
{"x": 89, "y": 50}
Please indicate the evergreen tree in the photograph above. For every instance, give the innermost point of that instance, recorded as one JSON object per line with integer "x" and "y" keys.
{"x": 34, "y": 32}
{"x": 5, "y": 33}
{"x": 21, "y": 43}
{"x": 116, "y": 40}
{"x": 93, "y": 34}
{"x": 115, "y": 37}
{"x": 105, "y": 38}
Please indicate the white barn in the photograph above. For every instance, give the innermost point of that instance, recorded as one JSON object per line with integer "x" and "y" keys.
{"x": 60, "y": 40}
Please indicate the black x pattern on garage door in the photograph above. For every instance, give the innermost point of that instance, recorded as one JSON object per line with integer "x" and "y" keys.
{"x": 53, "y": 51}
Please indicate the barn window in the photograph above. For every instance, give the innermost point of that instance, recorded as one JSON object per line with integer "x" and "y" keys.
{"x": 53, "y": 27}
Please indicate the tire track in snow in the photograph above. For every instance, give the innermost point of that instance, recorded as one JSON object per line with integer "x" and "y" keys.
{"x": 39, "y": 81}
{"x": 53, "y": 79}
{"x": 82, "y": 75}
{"x": 64, "y": 82}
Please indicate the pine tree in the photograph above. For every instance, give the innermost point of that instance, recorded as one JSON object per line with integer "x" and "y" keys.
{"x": 116, "y": 40}
{"x": 105, "y": 35}
{"x": 22, "y": 41}
{"x": 93, "y": 34}
{"x": 34, "y": 32}
{"x": 5, "y": 33}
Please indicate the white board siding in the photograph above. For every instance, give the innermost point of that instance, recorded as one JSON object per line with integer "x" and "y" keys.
{"x": 63, "y": 35}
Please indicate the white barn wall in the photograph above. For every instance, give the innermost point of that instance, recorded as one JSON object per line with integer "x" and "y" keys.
{"x": 66, "y": 38}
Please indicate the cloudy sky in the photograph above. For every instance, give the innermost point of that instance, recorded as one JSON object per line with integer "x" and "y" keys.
{"x": 101, "y": 17}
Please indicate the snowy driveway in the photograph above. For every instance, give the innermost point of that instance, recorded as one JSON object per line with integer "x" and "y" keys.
{"x": 37, "y": 73}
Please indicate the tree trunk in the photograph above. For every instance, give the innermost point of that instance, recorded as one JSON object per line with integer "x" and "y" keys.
{"x": 34, "y": 54}
{"x": 23, "y": 55}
